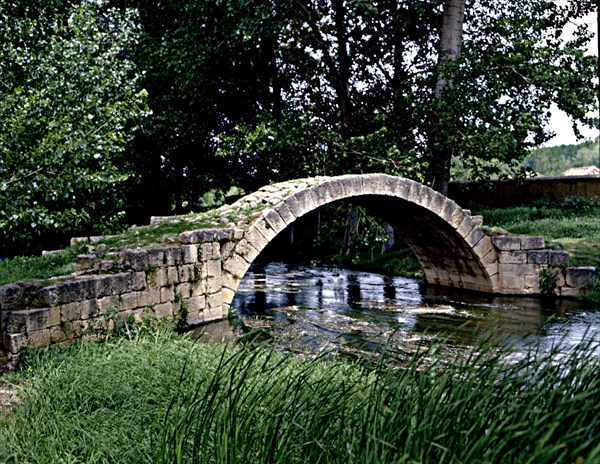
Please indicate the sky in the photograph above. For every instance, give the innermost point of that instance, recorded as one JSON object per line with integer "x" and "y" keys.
{"x": 559, "y": 121}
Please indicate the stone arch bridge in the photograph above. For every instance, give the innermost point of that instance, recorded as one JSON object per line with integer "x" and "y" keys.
{"x": 197, "y": 272}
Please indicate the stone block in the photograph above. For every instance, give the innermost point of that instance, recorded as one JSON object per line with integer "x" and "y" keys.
{"x": 138, "y": 281}
{"x": 172, "y": 275}
{"x": 106, "y": 304}
{"x": 265, "y": 229}
{"x": 537, "y": 257}
{"x": 256, "y": 238}
{"x": 512, "y": 257}
{"x": 57, "y": 334}
{"x": 466, "y": 227}
{"x": 187, "y": 273}
{"x": 156, "y": 257}
{"x": 30, "y": 320}
{"x": 120, "y": 283}
{"x": 86, "y": 263}
{"x": 167, "y": 294}
{"x": 556, "y": 258}
{"x": 245, "y": 249}
{"x": 285, "y": 213}
{"x": 518, "y": 269}
{"x": 579, "y": 277}
{"x": 136, "y": 260}
{"x": 128, "y": 301}
{"x": 70, "y": 311}
{"x": 370, "y": 184}
{"x": 183, "y": 290}
{"x": 457, "y": 218}
{"x": 478, "y": 220}
{"x": 532, "y": 243}
{"x": 214, "y": 284}
{"x": 506, "y": 243}
{"x": 437, "y": 203}
{"x": 301, "y": 203}
{"x": 227, "y": 295}
{"x": 512, "y": 283}
{"x": 475, "y": 236}
{"x": 14, "y": 342}
{"x": 532, "y": 282}
{"x": 236, "y": 266}
{"x": 569, "y": 291}
{"x": 276, "y": 223}
{"x": 209, "y": 268}
{"x": 189, "y": 254}
{"x": 160, "y": 277}
{"x": 148, "y": 298}
{"x": 89, "y": 309}
{"x": 319, "y": 195}
{"x": 39, "y": 338}
{"x": 173, "y": 256}
{"x": 164, "y": 310}
{"x": 193, "y": 237}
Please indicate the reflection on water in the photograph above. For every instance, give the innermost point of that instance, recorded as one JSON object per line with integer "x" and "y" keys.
{"x": 316, "y": 308}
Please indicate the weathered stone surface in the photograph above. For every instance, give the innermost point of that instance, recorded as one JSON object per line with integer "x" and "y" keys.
{"x": 556, "y": 258}
{"x": 532, "y": 243}
{"x": 578, "y": 277}
{"x": 504, "y": 243}
{"x": 14, "y": 342}
{"x": 85, "y": 262}
{"x": 205, "y": 235}
{"x": 538, "y": 257}
{"x": 18, "y": 295}
{"x": 512, "y": 257}
{"x": 136, "y": 260}
{"x": 189, "y": 254}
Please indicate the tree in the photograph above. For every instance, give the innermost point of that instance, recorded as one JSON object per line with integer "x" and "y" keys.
{"x": 450, "y": 47}
{"x": 246, "y": 92}
{"x": 69, "y": 101}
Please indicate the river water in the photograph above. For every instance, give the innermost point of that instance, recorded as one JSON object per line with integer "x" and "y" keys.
{"x": 316, "y": 308}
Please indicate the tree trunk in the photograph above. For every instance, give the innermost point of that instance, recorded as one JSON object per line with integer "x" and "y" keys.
{"x": 450, "y": 47}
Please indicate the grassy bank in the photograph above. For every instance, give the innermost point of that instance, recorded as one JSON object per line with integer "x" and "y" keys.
{"x": 162, "y": 398}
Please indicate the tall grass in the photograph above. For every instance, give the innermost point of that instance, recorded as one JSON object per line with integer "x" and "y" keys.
{"x": 162, "y": 398}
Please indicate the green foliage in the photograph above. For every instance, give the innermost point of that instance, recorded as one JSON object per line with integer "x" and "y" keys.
{"x": 547, "y": 283}
{"x": 247, "y": 92}
{"x": 69, "y": 99}
{"x": 20, "y": 269}
{"x": 553, "y": 161}
{"x": 161, "y": 398}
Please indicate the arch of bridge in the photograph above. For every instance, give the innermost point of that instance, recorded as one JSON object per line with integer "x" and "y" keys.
{"x": 450, "y": 246}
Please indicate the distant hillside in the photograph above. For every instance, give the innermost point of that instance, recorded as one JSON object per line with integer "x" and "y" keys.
{"x": 553, "y": 161}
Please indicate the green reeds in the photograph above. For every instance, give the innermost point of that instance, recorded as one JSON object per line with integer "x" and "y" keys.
{"x": 162, "y": 398}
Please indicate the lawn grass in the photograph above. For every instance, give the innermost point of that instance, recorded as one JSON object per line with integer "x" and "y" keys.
{"x": 165, "y": 398}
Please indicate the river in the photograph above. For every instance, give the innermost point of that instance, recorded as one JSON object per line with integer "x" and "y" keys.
{"x": 317, "y": 308}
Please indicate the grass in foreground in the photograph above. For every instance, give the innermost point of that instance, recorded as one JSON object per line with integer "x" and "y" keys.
{"x": 162, "y": 398}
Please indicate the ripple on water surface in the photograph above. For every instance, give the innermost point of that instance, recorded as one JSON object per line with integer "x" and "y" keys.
{"x": 314, "y": 308}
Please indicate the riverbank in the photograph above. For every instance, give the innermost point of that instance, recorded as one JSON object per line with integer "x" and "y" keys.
{"x": 161, "y": 397}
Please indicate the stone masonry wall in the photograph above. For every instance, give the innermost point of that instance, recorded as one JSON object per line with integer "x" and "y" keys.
{"x": 167, "y": 282}
{"x": 522, "y": 259}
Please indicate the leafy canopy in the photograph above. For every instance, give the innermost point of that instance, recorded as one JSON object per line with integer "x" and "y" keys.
{"x": 69, "y": 100}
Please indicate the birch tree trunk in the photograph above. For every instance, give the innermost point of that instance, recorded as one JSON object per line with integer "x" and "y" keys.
{"x": 450, "y": 47}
